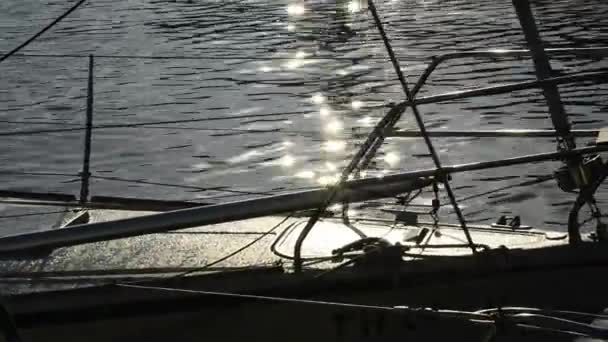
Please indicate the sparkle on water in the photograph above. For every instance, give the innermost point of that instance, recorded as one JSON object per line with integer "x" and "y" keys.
{"x": 331, "y": 166}
{"x": 294, "y": 64}
{"x": 392, "y": 159}
{"x": 306, "y": 174}
{"x": 343, "y": 72}
{"x": 328, "y": 179}
{"x": 356, "y": 104}
{"x": 295, "y": 9}
{"x": 324, "y": 111}
{"x": 334, "y": 146}
{"x": 287, "y": 161}
{"x": 366, "y": 121}
{"x": 354, "y": 6}
{"x": 300, "y": 54}
{"x": 334, "y": 126}
{"x": 318, "y": 99}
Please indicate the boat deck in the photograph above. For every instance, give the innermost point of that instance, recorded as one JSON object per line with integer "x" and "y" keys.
{"x": 237, "y": 245}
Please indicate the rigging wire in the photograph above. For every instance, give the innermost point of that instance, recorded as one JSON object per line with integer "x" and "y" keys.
{"x": 34, "y": 214}
{"x": 239, "y": 130}
{"x": 26, "y": 173}
{"x": 238, "y": 251}
{"x": 39, "y": 33}
{"x": 278, "y": 191}
{"x": 219, "y": 129}
{"x": 111, "y": 274}
{"x": 149, "y": 123}
{"x": 376, "y": 133}
{"x": 538, "y": 180}
{"x": 552, "y": 312}
{"x": 181, "y": 186}
{"x": 136, "y": 181}
{"x": 421, "y": 125}
{"x": 268, "y": 298}
{"x": 26, "y": 122}
{"x": 524, "y": 322}
{"x": 233, "y": 193}
{"x": 223, "y": 58}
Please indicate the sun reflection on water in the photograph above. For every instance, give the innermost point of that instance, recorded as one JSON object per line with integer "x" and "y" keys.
{"x": 366, "y": 121}
{"x": 334, "y": 126}
{"x": 296, "y": 9}
{"x": 392, "y": 159}
{"x": 300, "y": 54}
{"x": 332, "y": 108}
{"x": 355, "y": 6}
{"x": 356, "y": 104}
{"x": 328, "y": 179}
{"x": 294, "y": 64}
{"x": 317, "y": 98}
{"x": 343, "y": 72}
{"x": 306, "y": 174}
{"x": 331, "y": 166}
{"x": 287, "y": 161}
{"x": 324, "y": 111}
{"x": 334, "y": 146}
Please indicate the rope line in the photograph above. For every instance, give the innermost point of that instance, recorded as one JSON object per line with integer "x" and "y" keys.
{"x": 236, "y": 252}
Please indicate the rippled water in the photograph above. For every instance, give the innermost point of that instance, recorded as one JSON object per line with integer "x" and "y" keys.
{"x": 277, "y": 96}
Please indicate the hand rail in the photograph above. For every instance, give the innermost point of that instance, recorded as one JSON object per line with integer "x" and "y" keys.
{"x": 501, "y": 133}
{"x": 503, "y": 53}
{"x": 439, "y": 59}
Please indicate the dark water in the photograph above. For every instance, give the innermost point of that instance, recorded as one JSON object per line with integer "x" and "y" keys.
{"x": 280, "y": 93}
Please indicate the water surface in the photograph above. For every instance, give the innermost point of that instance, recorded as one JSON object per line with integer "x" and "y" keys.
{"x": 277, "y": 96}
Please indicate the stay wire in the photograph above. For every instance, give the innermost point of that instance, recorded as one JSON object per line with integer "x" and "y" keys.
{"x": 181, "y": 186}
{"x": 39, "y": 33}
{"x": 421, "y": 125}
{"x": 465, "y": 316}
{"x": 238, "y": 251}
{"x": 149, "y": 123}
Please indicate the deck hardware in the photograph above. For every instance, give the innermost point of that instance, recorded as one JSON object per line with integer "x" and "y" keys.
{"x": 511, "y": 222}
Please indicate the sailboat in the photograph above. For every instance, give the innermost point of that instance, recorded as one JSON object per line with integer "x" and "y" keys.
{"x": 303, "y": 274}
